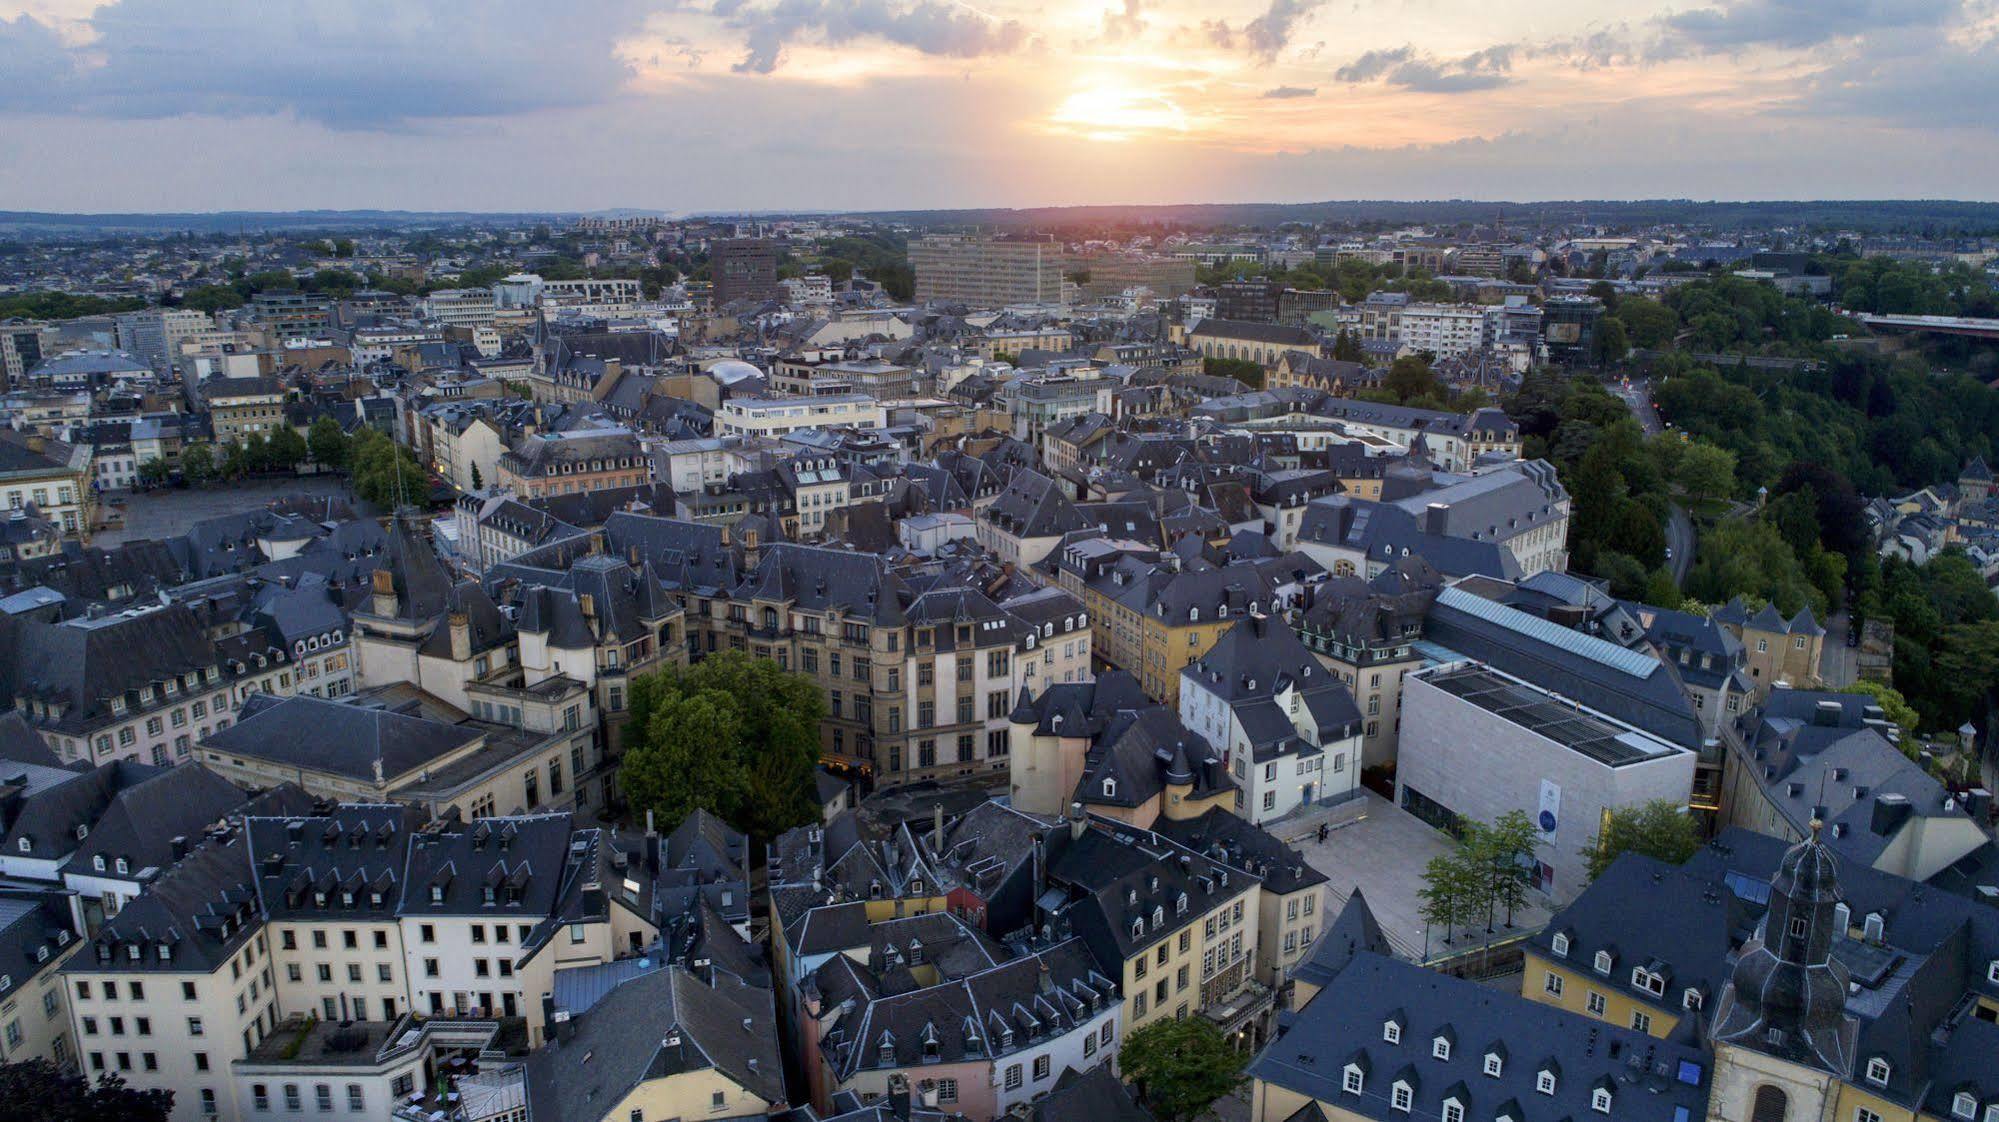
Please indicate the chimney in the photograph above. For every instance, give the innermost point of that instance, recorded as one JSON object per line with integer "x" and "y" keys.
{"x": 1435, "y": 517}
{"x": 461, "y": 636}
{"x": 1828, "y": 713}
{"x": 383, "y": 587}
{"x": 1077, "y": 823}
{"x": 937, "y": 828}
{"x": 589, "y": 605}
{"x": 1890, "y": 811}
{"x": 36, "y": 443}
{"x": 179, "y": 847}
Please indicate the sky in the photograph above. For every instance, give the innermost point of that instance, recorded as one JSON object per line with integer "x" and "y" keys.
{"x": 706, "y": 105}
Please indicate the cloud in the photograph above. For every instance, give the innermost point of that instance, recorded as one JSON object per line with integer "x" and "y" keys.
{"x": 1286, "y": 92}
{"x": 1268, "y": 34}
{"x": 1951, "y": 87}
{"x": 932, "y": 27}
{"x": 1128, "y": 23}
{"x": 1374, "y": 64}
{"x": 1408, "y": 69}
{"x": 348, "y": 63}
{"x": 1736, "y": 24}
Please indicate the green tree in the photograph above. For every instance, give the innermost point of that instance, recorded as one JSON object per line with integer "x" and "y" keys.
{"x": 235, "y": 460}
{"x": 1892, "y": 703}
{"x": 1181, "y": 1066}
{"x": 1705, "y": 471}
{"x": 1241, "y": 369}
{"x": 153, "y": 472}
{"x": 1612, "y": 342}
{"x": 1410, "y": 377}
{"x": 478, "y": 482}
{"x": 212, "y": 298}
{"x": 197, "y": 463}
{"x": 1660, "y": 829}
{"x": 1451, "y": 895}
{"x": 1649, "y": 323}
{"x": 327, "y": 443}
{"x": 384, "y": 472}
{"x": 762, "y": 762}
{"x": 39, "y": 1091}
{"x": 285, "y": 449}
{"x": 688, "y": 757}
{"x": 1502, "y": 852}
{"x": 1346, "y": 347}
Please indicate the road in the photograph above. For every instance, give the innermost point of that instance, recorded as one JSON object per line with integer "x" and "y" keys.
{"x": 1637, "y": 396}
{"x": 1839, "y": 664}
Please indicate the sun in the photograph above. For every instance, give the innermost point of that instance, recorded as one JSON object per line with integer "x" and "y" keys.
{"x": 1118, "y": 112}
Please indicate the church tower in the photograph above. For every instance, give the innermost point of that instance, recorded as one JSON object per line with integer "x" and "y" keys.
{"x": 1783, "y": 1041}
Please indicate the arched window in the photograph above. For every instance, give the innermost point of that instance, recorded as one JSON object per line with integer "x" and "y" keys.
{"x": 1770, "y": 1105}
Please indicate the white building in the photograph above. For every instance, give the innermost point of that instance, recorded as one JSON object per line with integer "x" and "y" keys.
{"x": 773, "y": 417}
{"x": 1444, "y": 330}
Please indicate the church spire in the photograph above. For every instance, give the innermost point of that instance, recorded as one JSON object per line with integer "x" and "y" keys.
{"x": 1787, "y": 996}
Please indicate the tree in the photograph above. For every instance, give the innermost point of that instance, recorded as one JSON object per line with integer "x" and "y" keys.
{"x": 478, "y": 483}
{"x": 1892, "y": 703}
{"x": 1612, "y": 343}
{"x": 285, "y": 449}
{"x": 1502, "y": 852}
{"x": 1410, "y": 377}
{"x": 197, "y": 463}
{"x": 1346, "y": 347}
{"x": 1706, "y": 471}
{"x": 327, "y": 443}
{"x": 1660, "y": 829}
{"x": 1451, "y": 894}
{"x": 1181, "y": 1066}
{"x": 39, "y": 1091}
{"x": 1649, "y": 323}
{"x": 384, "y": 472}
{"x": 236, "y": 459}
{"x": 153, "y": 472}
{"x": 758, "y": 743}
{"x": 1241, "y": 369}
{"x": 675, "y": 767}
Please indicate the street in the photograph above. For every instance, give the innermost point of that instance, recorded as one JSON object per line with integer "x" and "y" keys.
{"x": 1839, "y": 664}
{"x": 1637, "y": 396}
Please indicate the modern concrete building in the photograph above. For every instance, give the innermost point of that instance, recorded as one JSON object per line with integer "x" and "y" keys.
{"x": 743, "y": 269}
{"x": 987, "y": 272}
{"x": 1477, "y": 743}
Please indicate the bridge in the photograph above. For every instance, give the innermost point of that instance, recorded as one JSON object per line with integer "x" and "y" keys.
{"x": 1935, "y": 325}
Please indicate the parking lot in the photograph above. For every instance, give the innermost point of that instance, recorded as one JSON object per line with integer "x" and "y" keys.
{"x": 167, "y": 513}
{"x": 1381, "y": 849}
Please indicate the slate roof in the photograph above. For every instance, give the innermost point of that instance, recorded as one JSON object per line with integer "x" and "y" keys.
{"x": 1648, "y": 1078}
{"x": 21, "y": 744}
{"x": 1253, "y": 663}
{"x": 141, "y": 821}
{"x": 1235, "y": 841}
{"x": 1284, "y": 334}
{"x": 45, "y": 807}
{"x": 342, "y": 864}
{"x": 1353, "y": 931}
{"x": 1631, "y": 686}
{"x": 362, "y": 742}
{"x": 1096, "y": 1095}
{"x": 35, "y": 931}
{"x": 521, "y": 859}
{"x": 1033, "y": 506}
{"x": 81, "y": 665}
{"x": 1125, "y": 887}
{"x": 656, "y": 1026}
{"x": 193, "y": 919}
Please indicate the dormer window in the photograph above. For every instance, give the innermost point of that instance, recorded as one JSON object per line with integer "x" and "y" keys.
{"x": 1559, "y": 945}
{"x": 124, "y": 866}
{"x": 1391, "y": 1032}
{"x": 97, "y": 862}
{"x": 1110, "y": 788}
{"x": 1603, "y": 962}
{"x": 1963, "y": 1105}
{"x": 1691, "y": 999}
{"x": 437, "y": 894}
{"x": 1454, "y": 1111}
{"x": 26, "y": 845}
{"x": 1440, "y": 1048}
{"x": 1353, "y": 1080}
{"x": 1599, "y": 1100}
{"x": 82, "y": 831}
{"x": 1544, "y": 1081}
{"x": 1878, "y": 1071}
{"x": 1402, "y": 1097}
{"x": 1646, "y": 980}
{"x": 1494, "y": 1065}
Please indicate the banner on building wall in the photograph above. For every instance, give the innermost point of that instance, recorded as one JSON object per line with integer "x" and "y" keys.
{"x": 1549, "y": 818}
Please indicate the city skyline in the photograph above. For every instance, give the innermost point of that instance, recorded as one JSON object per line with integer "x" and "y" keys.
{"x": 880, "y": 104}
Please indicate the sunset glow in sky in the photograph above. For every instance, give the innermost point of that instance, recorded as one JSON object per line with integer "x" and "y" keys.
{"x": 709, "y": 104}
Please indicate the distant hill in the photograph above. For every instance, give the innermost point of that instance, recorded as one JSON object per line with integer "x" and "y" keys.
{"x": 1932, "y": 217}
{"x": 231, "y": 221}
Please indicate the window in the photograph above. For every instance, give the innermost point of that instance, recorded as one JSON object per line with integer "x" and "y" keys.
{"x": 1401, "y": 1097}
{"x": 718, "y": 1100}
{"x": 194, "y": 1026}
{"x": 1560, "y": 945}
{"x": 293, "y": 1101}
{"x": 1040, "y": 1068}
{"x": 1454, "y": 1111}
{"x": 1494, "y": 1064}
{"x": 1354, "y": 1080}
{"x": 356, "y": 1101}
{"x": 947, "y": 1090}
{"x": 1963, "y": 1105}
{"x": 1391, "y": 1032}
{"x": 323, "y": 1095}
{"x": 1440, "y": 1048}
{"x": 1602, "y": 962}
{"x": 1552, "y": 985}
{"x": 1596, "y": 1003}
{"x": 1877, "y": 1071}
{"x": 1012, "y": 1078}
{"x": 260, "y": 1096}
{"x": 1599, "y": 1100}
{"x": 1641, "y": 1021}
{"x": 1862, "y": 1114}
{"x": 1691, "y": 999}
{"x": 1544, "y": 1081}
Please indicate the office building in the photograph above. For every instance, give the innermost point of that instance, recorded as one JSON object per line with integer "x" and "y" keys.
{"x": 987, "y": 272}
{"x": 743, "y": 269}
